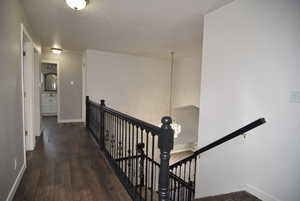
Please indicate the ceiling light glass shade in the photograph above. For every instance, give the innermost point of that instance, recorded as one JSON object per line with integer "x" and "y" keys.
{"x": 77, "y": 4}
{"x": 176, "y": 127}
{"x": 56, "y": 50}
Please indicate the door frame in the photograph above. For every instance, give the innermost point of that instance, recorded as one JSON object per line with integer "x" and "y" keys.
{"x": 25, "y": 34}
{"x": 58, "y": 84}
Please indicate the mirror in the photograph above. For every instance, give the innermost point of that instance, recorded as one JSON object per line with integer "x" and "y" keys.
{"x": 50, "y": 82}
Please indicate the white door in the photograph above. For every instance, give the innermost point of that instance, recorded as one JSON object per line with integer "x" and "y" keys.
{"x": 28, "y": 61}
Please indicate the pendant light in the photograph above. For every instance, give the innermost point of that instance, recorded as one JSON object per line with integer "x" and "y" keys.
{"x": 175, "y": 126}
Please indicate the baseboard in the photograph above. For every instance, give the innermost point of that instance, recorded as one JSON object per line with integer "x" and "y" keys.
{"x": 260, "y": 193}
{"x": 14, "y": 188}
{"x": 69, "y": 120}
{"x": 49, "y": 114}
{"x": 183, "y": 147}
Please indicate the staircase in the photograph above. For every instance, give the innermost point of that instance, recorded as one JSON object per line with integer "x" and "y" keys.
{"x": 139, "y": 153}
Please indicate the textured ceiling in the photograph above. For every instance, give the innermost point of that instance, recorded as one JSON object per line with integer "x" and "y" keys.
{"x": 141, "y": 27}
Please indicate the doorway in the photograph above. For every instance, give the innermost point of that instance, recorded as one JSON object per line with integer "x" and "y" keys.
{"x": 49, "y": 90}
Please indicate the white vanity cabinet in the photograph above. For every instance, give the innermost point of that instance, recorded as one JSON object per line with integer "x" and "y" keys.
{"x": 49, "y": 104}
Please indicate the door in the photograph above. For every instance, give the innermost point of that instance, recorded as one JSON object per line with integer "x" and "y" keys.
{"x": 28, "y": 76}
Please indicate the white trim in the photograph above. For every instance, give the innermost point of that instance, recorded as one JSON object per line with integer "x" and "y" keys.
{"x": 260, "y": 193}
{"x": 15, "y": 186}
{"x": 70, "y": 120}
{"x": 184, "y": 147}
{"x": 84, "y": 84}
{"x": 22, "y": 93}
{"x": 58, "y": 85}
{"x": 37, "y": 90}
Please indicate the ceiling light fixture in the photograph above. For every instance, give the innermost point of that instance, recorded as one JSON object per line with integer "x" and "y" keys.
{"x": 175, "y": 126}
{"x": 56, "y": 50}
{"x": 77, "y": 4}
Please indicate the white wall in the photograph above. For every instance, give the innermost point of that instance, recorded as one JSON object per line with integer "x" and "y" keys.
{"x": 186, "y": 91}
{"x": 138, "y": 86}
{"x": 250, "y": 67}
{"x": 187, "y": 74}
{"x": 70, "y": 69}
{"x": 11, "y": 126}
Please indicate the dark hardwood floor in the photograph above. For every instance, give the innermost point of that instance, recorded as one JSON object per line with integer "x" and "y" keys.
{"x": 66, "y": 166}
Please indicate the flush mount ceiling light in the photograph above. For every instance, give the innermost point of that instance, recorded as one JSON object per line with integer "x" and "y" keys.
{"x": 56, "y": 50}
{"x": 77, "y": 4}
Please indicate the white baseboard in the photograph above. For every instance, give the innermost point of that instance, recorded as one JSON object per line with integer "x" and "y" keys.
{"x": 183, "y": 147}
{"x": 69, "y": 120}
{"x": 49, "y": 114}
{"x": 260, "y": 193}
{"x": 14, "y": 188}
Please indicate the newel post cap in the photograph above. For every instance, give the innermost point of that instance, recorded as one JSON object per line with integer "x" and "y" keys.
{"x": 166, "y": 120}
{"x": 102, "y": 102}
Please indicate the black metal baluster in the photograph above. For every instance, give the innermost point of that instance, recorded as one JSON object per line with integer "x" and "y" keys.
{"x": 112, "y": 135}
{"x": 178, "y": 191}
{"x": 129, "y": 152}
{"x": 146, "y": 170}
{"x": 105, "y": 131}
{"x": 184, "y": 172}
{"x": 180, "y": 171}
{"x": 175, "y": 186}
{"x": 132, "y": 151}
{"x": 136, "y": 158}
{"x": 122, "y": 145}
{"x": 152, "y": 164}
{"x": 186, "y": 189}
{"x": 119, "y": 140}
{"x": 87, "y": 106}
{"x": 126, "y": 142}
{"x": 190, "y": 169}
{"x": 102, "y": 124}
{"x": 171, "y": 187}
{"x": 195, "y": 167}
{"x": 115, "y": 136}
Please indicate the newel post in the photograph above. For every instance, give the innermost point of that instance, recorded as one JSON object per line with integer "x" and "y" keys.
{"x": 102, "y": 120}
{"x": 165, "y": 144}
{"x": 87, "y": 120}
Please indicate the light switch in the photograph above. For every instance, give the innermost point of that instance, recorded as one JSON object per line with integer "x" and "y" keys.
{"x": 295, "y": 97}
{"x": 72, "y": 82}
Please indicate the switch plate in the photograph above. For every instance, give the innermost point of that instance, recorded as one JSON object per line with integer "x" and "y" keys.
{"x": 295, "y": 96}
{"x": 72, "y": 82}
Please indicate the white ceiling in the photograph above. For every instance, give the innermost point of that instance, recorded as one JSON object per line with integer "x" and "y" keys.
{"x": 142, "y": 27}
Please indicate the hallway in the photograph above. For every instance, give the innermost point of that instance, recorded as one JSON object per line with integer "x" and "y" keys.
{"x": 66, "y": 166}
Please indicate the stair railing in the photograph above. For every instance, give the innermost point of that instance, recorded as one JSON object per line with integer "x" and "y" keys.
{"x": 132, "y": 148}
{"x": 186, "y": 168}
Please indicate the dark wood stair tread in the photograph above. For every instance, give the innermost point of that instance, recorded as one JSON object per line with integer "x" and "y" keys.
{"x": 236, "y": 196}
